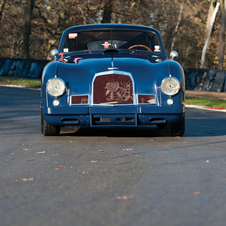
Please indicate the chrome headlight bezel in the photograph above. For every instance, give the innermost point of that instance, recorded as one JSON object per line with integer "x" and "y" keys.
{"x": 55, "y": 87}
{"x": 170, "y": 86}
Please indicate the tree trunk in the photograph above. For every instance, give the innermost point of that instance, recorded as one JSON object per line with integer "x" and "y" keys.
{"x": 2, "y": 9}
{"x": 108, "y": 8}
{"x": 210, "y": 13}
{"x": 221, "y": 45}
{"x": 177, "y": 25}
{"x": 27, "y": 28}
{"x": 212, "y": 19}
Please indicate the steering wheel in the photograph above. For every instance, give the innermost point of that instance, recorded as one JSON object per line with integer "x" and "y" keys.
{"x": 140, "y": 46}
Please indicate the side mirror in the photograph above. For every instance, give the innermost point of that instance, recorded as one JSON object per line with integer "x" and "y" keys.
{"x": 173, "y": 54}
{"x": 54, "y": 53}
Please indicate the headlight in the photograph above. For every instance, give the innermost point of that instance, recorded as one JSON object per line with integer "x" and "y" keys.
{"x": 55, "y": 87}
{"x": 170, "y": 86}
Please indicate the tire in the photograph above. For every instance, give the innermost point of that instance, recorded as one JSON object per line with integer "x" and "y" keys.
{"x": 47, "y": 129}
{"x": 176, "y": 129}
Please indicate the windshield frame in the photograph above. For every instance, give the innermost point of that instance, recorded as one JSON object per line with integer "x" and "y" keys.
{"x": 111, "y": 28}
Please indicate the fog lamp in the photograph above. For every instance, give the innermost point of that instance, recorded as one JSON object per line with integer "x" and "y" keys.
{"x": 56, "y": 103}
{"x": 170, "y": 101}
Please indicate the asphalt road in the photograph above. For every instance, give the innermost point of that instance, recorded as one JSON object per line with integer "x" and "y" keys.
{"x": 113, "y": 177}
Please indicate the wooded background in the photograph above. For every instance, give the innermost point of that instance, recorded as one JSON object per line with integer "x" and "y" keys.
{"x": 194, "y": 28}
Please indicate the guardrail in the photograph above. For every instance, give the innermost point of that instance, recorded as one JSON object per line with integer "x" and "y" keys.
{"x": 205, "y": 79}
{"x": 22, "y": 68}
{"x": 196, "y": 79}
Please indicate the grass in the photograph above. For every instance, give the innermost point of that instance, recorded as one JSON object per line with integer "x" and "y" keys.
{"x": 22, "y": 82}
{"x": 208, "y": 102}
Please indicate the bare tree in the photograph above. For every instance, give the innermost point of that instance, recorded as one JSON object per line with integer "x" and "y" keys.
{"x": 212, "y": 19}
{"x": 2, "y": 9}
{"x": 182, "y": 24}
{"x": 221, "y": 45}
{"x": 177, "y": 25}
{"x": 27, "y": 28}
{"x": 108, "y": 8}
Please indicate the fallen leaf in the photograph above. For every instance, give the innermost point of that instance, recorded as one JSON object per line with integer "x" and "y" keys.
{"x": 132, "y": 155}
{"x": 93, "y": 161}
{"x": 41, "y": 152}
{"x": 25, "y": 149}
{"x": 85, "y": 172}
{"x": 208, "y": 161}
{"x": 57, "y": 168}
{"x": 63, "y": 167}
{"x": 54, "y": 154}
{"x": 196, "y": 193}
{"x": 55, "y": 161}
{"x": 124, "y": 197}
{"x": 72, "y": 141}
{"x": 26, "y": 179}
{"x": 29, "y": 144}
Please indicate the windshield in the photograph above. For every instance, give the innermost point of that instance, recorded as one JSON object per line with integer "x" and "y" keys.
{"x": 111, "y": 39}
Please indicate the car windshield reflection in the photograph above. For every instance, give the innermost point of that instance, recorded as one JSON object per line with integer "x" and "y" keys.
{"x": 111, "y": 39}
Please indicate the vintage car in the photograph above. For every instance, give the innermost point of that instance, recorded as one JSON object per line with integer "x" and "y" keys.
{"x": 112, "y": 75}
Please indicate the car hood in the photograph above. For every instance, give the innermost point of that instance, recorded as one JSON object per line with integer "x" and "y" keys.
{"x": 81, "y": 70}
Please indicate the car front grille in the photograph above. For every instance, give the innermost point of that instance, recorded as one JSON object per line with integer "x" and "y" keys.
{"x": 113, "y": 88}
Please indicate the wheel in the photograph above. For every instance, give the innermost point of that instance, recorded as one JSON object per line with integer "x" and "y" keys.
{"x": 47, "y": 129}
{"x": 176, "y": 129}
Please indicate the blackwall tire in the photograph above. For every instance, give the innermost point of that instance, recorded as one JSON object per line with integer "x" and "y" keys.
{"x": 176, "y": 129}
{"x": 47, "y": 129}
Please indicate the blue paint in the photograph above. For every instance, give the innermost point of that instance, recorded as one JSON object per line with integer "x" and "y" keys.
{"x": 148, "y": 69}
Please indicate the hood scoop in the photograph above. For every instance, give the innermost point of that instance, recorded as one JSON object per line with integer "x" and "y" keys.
{"x": 106, "y": 51}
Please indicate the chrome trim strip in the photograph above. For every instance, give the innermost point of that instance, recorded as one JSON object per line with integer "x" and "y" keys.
{"x": 112, "y": 68}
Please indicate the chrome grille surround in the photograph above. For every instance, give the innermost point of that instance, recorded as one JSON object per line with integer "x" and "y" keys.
{"x": 110, "y": 88}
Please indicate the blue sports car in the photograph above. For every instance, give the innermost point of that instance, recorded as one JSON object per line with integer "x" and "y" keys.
{"x": 112, "y": 75}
